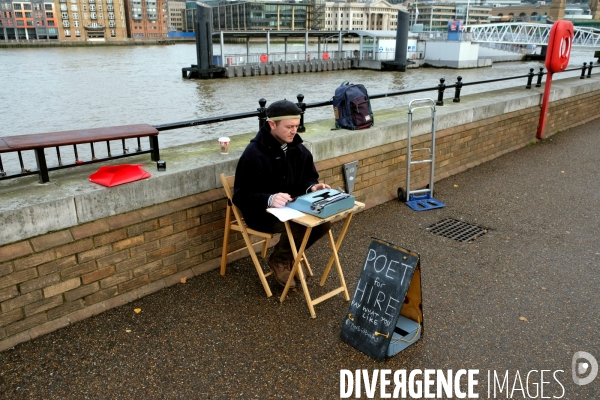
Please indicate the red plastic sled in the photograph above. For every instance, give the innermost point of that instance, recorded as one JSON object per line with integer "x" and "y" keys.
{"x": 114, "y": 175}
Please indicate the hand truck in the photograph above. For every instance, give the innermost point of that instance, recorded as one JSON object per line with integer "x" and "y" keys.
{"x": 421, "y": 199}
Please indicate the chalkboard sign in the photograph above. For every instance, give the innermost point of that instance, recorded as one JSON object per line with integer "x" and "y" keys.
{"x": 388, "y": 274}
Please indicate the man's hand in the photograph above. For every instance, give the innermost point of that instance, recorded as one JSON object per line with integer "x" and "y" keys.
{"x": 319, "y": 186}
{"x": 281, "y": 199}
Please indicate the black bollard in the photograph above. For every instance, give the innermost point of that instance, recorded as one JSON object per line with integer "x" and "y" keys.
{"x": 540, "y": 74}
{"x": 302, "y": 106}
{"x": 529, "y": 78}
{"x": 262, "y": 112}
{"x": 589, "y": 75}
{"x": 459, "y": 84}
{"x": 441, "y": 88}
{"x": 583, "y": 70}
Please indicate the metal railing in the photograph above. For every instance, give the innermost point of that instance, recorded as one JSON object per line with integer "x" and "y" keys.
{"x": 261, "y": 113}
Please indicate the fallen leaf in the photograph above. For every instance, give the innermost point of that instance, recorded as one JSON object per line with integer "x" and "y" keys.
{"x": 182, "y": 280}
{"x": 544, "y": 288}
{"x": 455, "y": 185}
{"x": 523, "y": 319}
{"x": 562, "y": 172}
{"x": 128, "y": 330}
{"x": 137, "y": 310}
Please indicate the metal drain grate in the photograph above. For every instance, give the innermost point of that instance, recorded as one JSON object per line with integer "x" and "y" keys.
{"x": 457, "y": 230}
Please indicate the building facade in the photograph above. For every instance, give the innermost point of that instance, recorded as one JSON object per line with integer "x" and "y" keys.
{"x": 92, "y": 20}
{"x": 435, "y": 17}
{"x": 147, "y": 19}
{"x": 28, "y": 20}
{"x": 176, "y": 13}
{"x": 268, "y": 15}
{"x": 373, "y": 15}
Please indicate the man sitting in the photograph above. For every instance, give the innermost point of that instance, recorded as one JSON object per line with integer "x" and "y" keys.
{"x": 274, "y": 169}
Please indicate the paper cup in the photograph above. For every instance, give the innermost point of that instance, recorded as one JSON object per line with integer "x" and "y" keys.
{"x": 224, "y": 144}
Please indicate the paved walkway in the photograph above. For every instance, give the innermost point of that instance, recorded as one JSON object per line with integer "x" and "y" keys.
{"x": 522, "y": 297}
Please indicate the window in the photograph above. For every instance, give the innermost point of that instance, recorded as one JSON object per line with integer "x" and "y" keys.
{"x": 48, "y": 15}
{"x": 112, "y": 24}
{"x": 75, "y": 16}
{"x": 66, "y": 24}
{"x": 74, "y": 7}
{"x": 17, "y": 6}
{"x": 64, "y": 15}
{"x": 84, "y": 8}
{"x": 30, "y": 23}
{"x": 67, "y": 33}
{"x": 18, "y": 14}
{"x": 50, "y": 23}
{"x": 93, "y": 15}
{"x": 76, "y": 24}
{"x": 20, "y": 23}
{"x": 92, "y": 8}
{"x": 77, "y": 33}
{"x": 47, "y": 7}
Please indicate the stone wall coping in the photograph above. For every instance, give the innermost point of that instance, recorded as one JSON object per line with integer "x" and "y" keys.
{"x": 29, "y": 209}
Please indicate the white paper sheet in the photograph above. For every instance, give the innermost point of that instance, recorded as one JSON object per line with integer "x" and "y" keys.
{"x": 285, "y": 213}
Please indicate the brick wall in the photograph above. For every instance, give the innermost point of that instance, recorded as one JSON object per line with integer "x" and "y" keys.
{"x": 54, "y": 280}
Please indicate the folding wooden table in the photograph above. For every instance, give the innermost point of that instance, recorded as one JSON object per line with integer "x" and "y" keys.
{"x": 310, "y": 221}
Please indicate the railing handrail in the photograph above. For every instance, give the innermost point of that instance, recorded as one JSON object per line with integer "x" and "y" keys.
{"x": 260, "y": 112}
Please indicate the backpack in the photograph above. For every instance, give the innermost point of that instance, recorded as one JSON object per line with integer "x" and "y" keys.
{"x": 352, "y": 107}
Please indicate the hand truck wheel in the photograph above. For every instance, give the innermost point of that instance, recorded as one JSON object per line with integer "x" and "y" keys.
{"x": 401, "y": 195}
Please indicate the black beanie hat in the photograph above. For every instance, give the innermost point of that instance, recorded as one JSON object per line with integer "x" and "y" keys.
{"x": 283, "y": 109}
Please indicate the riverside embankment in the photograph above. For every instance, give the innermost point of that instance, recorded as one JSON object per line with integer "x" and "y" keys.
{"x": 520, "y": 299}
{"x": 71, "y": 249}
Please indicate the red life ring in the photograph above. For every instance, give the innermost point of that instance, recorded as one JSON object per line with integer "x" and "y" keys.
{"x": 264, "y": 58}
{"x": 325, "y": 56}
{"x": 559, "y": 46}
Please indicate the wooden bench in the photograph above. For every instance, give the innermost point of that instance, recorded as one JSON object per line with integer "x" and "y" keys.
{"x": 40, "y": 141}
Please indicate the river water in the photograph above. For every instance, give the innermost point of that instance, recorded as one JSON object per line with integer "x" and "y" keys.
{"x": 53, "y": 89}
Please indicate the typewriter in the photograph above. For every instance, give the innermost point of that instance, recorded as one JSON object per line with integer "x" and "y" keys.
{"x": 323, "y": 203}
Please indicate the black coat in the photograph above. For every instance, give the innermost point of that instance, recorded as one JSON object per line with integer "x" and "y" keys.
{"x": 264, "y": 169}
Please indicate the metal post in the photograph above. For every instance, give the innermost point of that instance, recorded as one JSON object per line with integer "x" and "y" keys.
{"x": 441, "y": 88}
{"x": 21, "y": 162}
{"x": 222, "y": 55}
{"x": 58, "y": 155}
{"x": 459, "y": 84}
{"x": 268, "y": 45}
{"x": 107, "y": 148}
{"x": 2, "y": 173}
{"x": 302, "y": 106}
{"x": 77, "y": 160}
{"x": 285, "y": 49}
{"x": 589, "y": 75}
{"x": 262, "y": 112}
{"x": 583, "y": 71}
{"x": 93, "y": 153}
{"x": 40, "y": 158}
{"x": 529, "y": 78}
{"x": 305, "y": 45}
{"x": 539, "y": 80}
{"x": 155, "y": 155}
